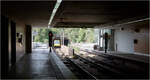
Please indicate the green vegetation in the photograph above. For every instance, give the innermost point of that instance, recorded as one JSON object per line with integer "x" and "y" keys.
{"x": 76, "y": 35}
{"x": 76, "y": 49}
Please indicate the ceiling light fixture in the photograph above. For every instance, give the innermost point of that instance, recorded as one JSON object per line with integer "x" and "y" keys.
{"x": 54, "y": 12}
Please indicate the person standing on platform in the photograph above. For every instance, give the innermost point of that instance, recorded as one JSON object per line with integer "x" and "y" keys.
{"x": 106, "y": 41}
{"x": 50, "y": 40}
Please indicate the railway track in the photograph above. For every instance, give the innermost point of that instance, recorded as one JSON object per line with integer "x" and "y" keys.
{"x": 144, "y": 66}
{"x": 103, "y": 70}
{"x": 82, "y": 67}
{"x": 91, "y": 68}
{"x": 123, "y": 70}
{"x": 78, "y": 71}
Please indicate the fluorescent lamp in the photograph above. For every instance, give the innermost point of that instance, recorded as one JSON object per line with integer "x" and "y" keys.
{"x": 59, "y": 1}
{"x": 57, "y": 5}
{"x": 54, "y": 12}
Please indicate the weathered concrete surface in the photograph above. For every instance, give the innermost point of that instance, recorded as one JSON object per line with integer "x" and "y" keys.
{"x": 36, "y": 65}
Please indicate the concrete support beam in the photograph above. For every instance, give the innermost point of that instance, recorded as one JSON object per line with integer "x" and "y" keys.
{"x": 13, "y": 42}
{"x": 4, "y": 45}
{"x": 28, "y": 34}
{"x": 117, "y": 24}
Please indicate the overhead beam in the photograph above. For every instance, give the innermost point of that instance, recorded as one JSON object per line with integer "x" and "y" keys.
{"x": 123, "y": 22}
{"x": 78, "y": 25}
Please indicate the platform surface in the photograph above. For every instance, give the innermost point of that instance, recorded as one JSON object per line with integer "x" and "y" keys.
{"x": 35, "y": 65}
{"x": 129, "y": 56}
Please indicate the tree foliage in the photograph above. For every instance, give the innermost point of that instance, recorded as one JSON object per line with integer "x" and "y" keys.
{"x": 75, "y": 35}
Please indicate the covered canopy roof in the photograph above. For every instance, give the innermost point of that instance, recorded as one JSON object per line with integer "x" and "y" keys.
{"x": 76, "y": 13}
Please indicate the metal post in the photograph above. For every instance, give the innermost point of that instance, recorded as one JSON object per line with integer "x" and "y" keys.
{"x": 62, "y": 36}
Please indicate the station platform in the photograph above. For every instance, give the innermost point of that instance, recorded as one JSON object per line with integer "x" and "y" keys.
{"x": 122, "y": 55}
{"x": 40, "y": 64}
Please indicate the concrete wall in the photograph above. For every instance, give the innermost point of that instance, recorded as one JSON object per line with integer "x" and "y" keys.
{"x": 9, "y": 43}
{"x": 124, "y": 39}
{"x": 142, "y": 37}
{"x": 20, "y": 48}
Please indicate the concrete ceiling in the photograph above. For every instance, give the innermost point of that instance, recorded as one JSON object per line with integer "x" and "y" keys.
{"x": 95, "y": 13}
{"x": 36, "y": 13}
{"x": 74, "y": 13}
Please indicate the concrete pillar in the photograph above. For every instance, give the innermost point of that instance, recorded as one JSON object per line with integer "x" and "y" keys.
{"x": 4, "y": 46}
{"x": 112, "y": 43}
{"x": 98, "y": 37}
{"x": 13, "y": 42}
{"x": 28, "y": 47}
